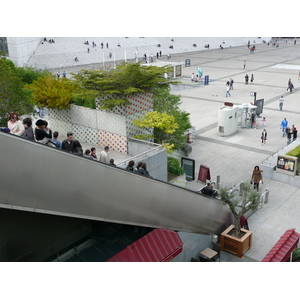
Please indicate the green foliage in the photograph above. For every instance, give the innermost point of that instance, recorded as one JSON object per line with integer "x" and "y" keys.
{"x": 250, "y": 199}
{"x": 29, "y": 74}
{"x": 50, "y": 92}
{"x": 174, "y": 166}
{"x": 127, "y": 79}
{"x": 85, "y": 101}
{"x": 12, "y": 97}
{"x": 296, "y": 254}
{"x": 295, "y": 152}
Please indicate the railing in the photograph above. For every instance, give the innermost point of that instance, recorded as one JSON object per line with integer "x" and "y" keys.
{"x": 264, "y": 198}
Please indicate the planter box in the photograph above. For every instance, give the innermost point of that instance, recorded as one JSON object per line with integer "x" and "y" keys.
{"x": 237, "y": 246}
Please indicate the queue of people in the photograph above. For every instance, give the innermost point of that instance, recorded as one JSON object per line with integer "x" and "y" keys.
{"x": 43, "y": 134}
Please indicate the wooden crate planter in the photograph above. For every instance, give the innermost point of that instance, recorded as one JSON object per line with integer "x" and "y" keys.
{"x": 237, "y": 246}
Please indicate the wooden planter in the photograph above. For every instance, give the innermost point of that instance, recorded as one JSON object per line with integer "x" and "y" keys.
{"x": 237, "y": 246}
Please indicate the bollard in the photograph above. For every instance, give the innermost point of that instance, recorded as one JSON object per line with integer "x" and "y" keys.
{"x": 267, "y": 195}
{"x": 218, "y": 182}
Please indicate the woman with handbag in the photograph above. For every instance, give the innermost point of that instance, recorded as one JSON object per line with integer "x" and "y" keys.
{"x": 256, "y": 177}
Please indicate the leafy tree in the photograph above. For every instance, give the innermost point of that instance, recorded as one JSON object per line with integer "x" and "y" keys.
{"x": 12, "y": 97}
{"x": 50, "y": 92}
{"x": 29, "y": 74}
{"x": 126, "y": 79}
{"x": 166, "y": 103}
{"x": 239, "y": 205}
{"x": 163, "y": 124}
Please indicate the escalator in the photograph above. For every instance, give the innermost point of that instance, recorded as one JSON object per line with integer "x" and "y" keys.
{"x": 40, "y": 179}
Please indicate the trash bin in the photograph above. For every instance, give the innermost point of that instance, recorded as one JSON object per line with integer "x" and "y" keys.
{"x": 206, "y": 80}
{"x": 187, "y": 62}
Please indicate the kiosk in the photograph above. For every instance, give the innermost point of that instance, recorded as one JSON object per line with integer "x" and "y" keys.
{"x": 227, "y": 119}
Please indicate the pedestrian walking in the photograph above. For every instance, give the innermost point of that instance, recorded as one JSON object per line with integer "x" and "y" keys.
{"x": 227, "y": 91}
{"x": 281, "y": 100}
{"x": 244, "y": 64}
{"x": 263, "y": 137}
{"x": 58, "y": 75}
{"x": 231, "y": 84}
{"x": 252, "y": 78}
{"x": 246, "y": 79}
{"x": 283, "y": 126}
{"x": 291, "y": 86}
{"x": 256, "y": 177}
{"x": 264, "y": 122}
{"x": 64, "y": 74}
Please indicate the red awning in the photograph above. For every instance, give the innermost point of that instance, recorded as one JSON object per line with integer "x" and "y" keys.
{"x": 158, "y": 245}
{"x": 283, "y": 248}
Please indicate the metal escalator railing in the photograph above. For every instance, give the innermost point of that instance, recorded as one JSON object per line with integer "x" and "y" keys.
{"x": 42, "y": 179}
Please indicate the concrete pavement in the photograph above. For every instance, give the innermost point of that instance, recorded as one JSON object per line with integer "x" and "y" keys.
{"x": 235, "y": 156}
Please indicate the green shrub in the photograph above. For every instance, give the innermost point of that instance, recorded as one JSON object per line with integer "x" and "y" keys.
{"x": 174, "y": 166}
{"x": 295, "y": 152}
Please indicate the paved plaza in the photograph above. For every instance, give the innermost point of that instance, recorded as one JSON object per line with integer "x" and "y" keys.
{"x": 235, "y": 156}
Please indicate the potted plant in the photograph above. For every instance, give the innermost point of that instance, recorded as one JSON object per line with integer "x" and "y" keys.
{"x": 174, "y": 168}
{"x": 235, "y": 239}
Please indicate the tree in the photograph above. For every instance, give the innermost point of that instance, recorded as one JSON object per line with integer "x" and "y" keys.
{"x": 239, "y": 205}
{"x": 29, "y": 74}
{"x": 51, "y": 92}
{"x": 12, "y": 97}
{"x": 163, "y": 124}
{"x": 165, "y": 102}
{"x": 127, "y": 79}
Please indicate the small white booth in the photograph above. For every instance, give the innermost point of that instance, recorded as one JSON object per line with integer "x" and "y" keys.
{"x": 176, "y": 67}
{"x": 227, "y": 119}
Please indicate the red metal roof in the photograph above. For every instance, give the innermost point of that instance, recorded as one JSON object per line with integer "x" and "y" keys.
{"x": 158, "y": 245}
{"x": 283, "y": 248}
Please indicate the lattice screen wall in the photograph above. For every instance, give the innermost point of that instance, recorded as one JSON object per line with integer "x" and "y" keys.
{"x": 100, "y": 127}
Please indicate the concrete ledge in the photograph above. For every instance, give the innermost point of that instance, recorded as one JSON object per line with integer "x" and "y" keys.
{"x": 269, "y": 166}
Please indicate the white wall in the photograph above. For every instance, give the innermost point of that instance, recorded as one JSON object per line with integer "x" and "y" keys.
{"x": 21, "y": 49}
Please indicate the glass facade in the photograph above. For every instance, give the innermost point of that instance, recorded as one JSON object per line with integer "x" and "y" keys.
{"x": 3, "y": 45}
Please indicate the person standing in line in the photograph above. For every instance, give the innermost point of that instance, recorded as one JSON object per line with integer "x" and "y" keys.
{"x": 67, "y": 144}
{"x": 104, "y": 157}
{"x": 263, "y": 136}
{"x": 283, "y": 126}
{"x": 246, "y": 79}
{"x": 281, "y": 100}
{"x": 28, "y": 133}
{"x": 252, "y": 78}
{"x": 256, "y": 177}
{"x": 55, "y": 140}
{"x": 244, "y": 64}
{"x": 227, "y": 91}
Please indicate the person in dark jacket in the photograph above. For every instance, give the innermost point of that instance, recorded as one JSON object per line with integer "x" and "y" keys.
{"x": 28, "y": 133}
{"x": 67, "y": 144}
{"x": 295, "y": 133}
{"x": 130, "y": 166}
{"x": 263, "y": 136}
{"x": 43, "y": 134}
